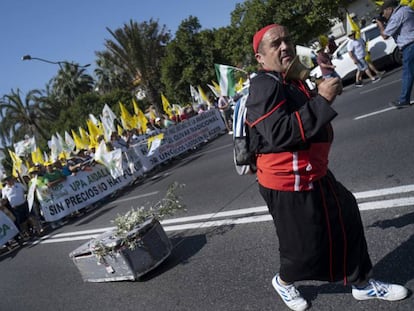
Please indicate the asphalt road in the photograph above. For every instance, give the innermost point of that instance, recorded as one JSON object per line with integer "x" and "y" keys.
{"x": 225, "y": 251}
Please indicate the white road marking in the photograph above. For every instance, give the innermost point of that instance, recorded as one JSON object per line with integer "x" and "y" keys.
{"x": 244, "y": 216}
{"x": 384, "y": 191}
{"x": 374, "y": 89}
{"x": 386, "y": 204}
{"x": 135, "y": 197}
{"x": 374, "y": 113}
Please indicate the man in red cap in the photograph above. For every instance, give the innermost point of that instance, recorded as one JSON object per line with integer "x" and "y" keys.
{"x": 317, "y": 220}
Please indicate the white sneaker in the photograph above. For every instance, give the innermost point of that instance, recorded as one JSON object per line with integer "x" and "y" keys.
{"x": 376, "y": 79}
{"x": 290, "y": 295}
{"x": 380, "y": 290}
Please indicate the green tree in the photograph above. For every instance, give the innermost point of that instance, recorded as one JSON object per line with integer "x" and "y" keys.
{"x": 89, "y": 103}
{"x": 136, "y": 53}
{"x": 71, "y": 81}
{"x": 189, "y": 60}
{"x": 305, "y": 19}
{"x": 21, "y": 116}
{"x": 108, "y": 75}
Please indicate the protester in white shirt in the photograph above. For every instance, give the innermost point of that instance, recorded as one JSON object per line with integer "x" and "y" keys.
{"x": 15, "y": 193}
{"x": 357, "y": 51}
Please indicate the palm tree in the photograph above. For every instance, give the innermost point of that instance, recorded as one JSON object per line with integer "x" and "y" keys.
{"x": 71, "y": 81}
{"x": 49, "y": 102}
{"x": 136, "y": 52}
{"x": 21, "y": 116}
{"x": 109, "y": 76}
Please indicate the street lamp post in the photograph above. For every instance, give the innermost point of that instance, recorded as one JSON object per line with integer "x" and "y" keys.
{"x": 28, "y": 57}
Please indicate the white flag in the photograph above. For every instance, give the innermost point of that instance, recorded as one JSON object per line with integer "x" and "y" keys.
{"x": 108, "y": 128}
{"x": 25, "y": 147}
{"x": 100, "y": 152}
{"x": 108, "y": 114}
{"x": 112, "y": 160}
{"x": 196, "y": 98}
{"x": 213, "y": 89}
{"x": 154, "y": 142}
{"x": 55, "y": 148}
{"x": 70, "y": 143}
{"x": 31, "y": 193}
{"x": 93, "y": 119}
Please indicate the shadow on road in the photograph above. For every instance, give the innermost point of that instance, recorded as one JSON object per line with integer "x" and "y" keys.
{"x": 397, "y": 265}
{"x": 183, "y": 249}
{"x": 394, "y": 267}
{"x": 399, "y": 222}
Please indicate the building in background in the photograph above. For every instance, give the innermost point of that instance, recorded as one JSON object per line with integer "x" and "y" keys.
{"x": 361, "y": 11}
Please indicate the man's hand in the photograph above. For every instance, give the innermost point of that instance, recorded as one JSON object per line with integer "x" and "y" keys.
{"x": 329, "y": 88}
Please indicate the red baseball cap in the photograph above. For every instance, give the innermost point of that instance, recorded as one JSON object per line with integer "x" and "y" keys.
{"x": 258, "y": 36}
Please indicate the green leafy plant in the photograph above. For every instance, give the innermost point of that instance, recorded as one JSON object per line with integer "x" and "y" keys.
{"x": 124, "y": 224}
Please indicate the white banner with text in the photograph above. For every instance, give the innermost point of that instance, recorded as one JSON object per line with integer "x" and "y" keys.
{"x": 8, "y": 230}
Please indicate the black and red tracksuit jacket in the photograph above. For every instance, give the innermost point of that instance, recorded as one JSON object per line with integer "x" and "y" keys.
{"x": 293, "y": 132}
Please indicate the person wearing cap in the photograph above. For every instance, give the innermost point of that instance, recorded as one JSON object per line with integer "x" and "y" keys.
{"x": 317, "y": 219}
{"x": 159, "y": 123}
{"x": 357, "y": 51}
{"x": 324, "y": 61}
{"x": 400, "y": 26}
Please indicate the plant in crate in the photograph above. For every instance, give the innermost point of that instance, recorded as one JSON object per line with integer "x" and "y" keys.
{"x": 125, "y": 224}
{"x": 137, "y": 244}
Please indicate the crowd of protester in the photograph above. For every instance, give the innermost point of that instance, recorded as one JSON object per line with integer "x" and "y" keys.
{"x": 30, "y": 223}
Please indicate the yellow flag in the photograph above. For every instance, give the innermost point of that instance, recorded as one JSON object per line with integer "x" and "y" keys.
{"x": 203, "y": 96}
{"x": 151, "y": 139}
{"x": 126, "y": 118}
{"x": 17, "y": 163}
{"x": 141, "y": 118}
{"x": 408, "y": 2}
{"x": 85, "y": 138}
{"x": 216, "y": 86}
{"x": 239, "y": 85}
{"x": 354, "y": 26}
{"x": 78, "y": 141}
{"x": 136, "y": 122}
{"x": 94, "y": 132}
{"x": 119, "y": 129}
{"x": 166, "y": 105}
{"x": 37, "y": 156}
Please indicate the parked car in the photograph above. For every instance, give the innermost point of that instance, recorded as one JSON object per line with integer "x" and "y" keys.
{"x": 382, "y": 52}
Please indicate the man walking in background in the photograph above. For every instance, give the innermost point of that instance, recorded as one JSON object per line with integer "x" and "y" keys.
{"x": 357, "y": 52}
{"x": 400, "y": 26}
